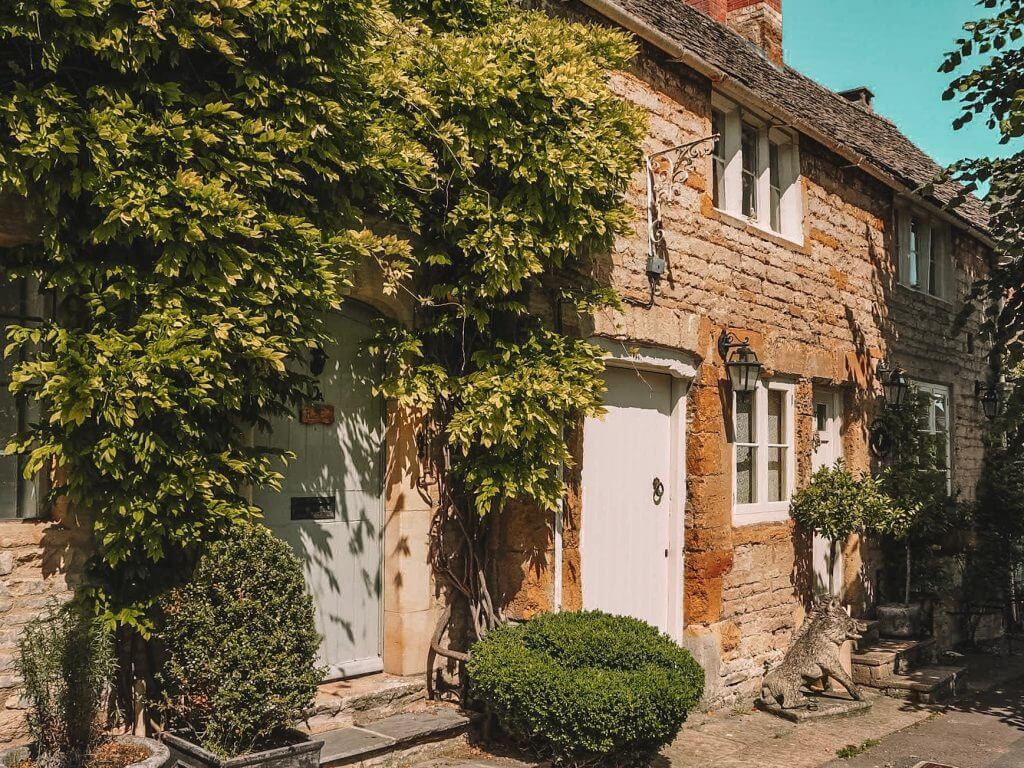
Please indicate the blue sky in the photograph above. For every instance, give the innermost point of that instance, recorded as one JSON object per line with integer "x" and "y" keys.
{"x": 894, "y": 47}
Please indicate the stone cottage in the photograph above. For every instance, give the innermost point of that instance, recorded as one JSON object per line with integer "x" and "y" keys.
{"x": 789, "y": 220}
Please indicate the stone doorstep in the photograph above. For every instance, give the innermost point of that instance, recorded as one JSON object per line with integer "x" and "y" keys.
{"x": 927, "y": 685}
{"x": 361, "y": 700}
{"x": 887, "y": 657}
{"x": 385, "y": 738}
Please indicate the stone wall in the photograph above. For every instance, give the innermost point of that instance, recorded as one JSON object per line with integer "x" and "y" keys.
{"x": 39, "y": 562}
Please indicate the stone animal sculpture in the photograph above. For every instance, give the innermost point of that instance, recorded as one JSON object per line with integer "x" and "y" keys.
{"x": 813, "y": 656}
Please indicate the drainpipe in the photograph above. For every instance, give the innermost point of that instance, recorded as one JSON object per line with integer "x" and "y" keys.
{"x": 556, "y": 598}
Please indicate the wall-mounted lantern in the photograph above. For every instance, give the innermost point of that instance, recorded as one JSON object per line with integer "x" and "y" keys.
{"x": 988, "y": 396}
{"x": 895, "y": 386}
{"x": 742, "y": 365}
{"x": 317, "y": 361}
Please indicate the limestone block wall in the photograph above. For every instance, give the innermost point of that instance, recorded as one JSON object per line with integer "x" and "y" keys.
{"x": 39, "y": 562}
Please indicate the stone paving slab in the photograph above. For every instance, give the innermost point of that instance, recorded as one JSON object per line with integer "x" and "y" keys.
{"x": 343, "y": 743}
{"x": 828, "y": 708}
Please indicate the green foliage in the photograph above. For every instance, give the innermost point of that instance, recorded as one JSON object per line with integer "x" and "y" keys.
{"x": 534, "y": 152}
{"x": 988, "y": 64}
{"x": 586, "y": 687}
{"x": 209, "y": 176}
{"x": 923, "y": 515}
{"x": 837, "y": 503}
{"x": 852, "y": 750}
{"x": 240, "y": 644}
{"x": 66, "y": 661}
{"x": 198, "y": 168}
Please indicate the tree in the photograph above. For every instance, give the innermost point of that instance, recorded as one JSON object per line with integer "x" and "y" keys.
{"x": 837, "y": 504}
{"x": 210, "y": 174}
{"x": 988, "y": 63}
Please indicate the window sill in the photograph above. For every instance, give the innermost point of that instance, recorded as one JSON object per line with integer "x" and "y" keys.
{"x": 755, "y": 228}
{"x": 917, "y": 292}
{"x": 751, "y": 514}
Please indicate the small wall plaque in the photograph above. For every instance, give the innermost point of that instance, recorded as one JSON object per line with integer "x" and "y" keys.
{"x": 317, "y": 413}
{"x": 314, "y": 507}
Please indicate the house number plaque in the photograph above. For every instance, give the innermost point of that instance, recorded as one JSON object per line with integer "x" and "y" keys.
{"x": 317, "y": 413}
{"x": 314, "y": 507}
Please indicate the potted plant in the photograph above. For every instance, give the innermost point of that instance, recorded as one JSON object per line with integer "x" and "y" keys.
{"x": 837, "y": 504}
{"x": 241, "y": 648}
{"x": 66, "y": 662}
{"x": 915, "y": 477}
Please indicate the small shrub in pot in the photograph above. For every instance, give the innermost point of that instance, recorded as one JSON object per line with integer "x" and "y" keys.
{"x": 586, "y": 687}
{"x": 66, "y": 662}
{"x": 241, "y": 646}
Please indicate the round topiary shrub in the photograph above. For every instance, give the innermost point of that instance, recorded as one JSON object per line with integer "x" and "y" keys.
{"x": 586, "y": 687}
{"x": 241, "y": 645}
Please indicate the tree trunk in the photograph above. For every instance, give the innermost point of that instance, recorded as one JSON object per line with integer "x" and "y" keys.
{"x": 906, "y": 581}
{"x": 831, "y": 566}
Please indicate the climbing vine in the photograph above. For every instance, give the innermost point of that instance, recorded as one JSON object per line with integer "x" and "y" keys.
{"x": 210, "y": 174}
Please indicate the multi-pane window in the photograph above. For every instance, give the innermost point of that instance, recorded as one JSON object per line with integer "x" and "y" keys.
{"x": 936, "y": 422}
{"x": 19, "y": 303}
{"x": 923, "y": 248}
{"x": 756, "y": 171}
{"x": 763, "y": 430}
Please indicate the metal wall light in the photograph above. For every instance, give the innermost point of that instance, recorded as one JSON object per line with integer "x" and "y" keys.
{"x": 742, "y": 365}
{"x": 895, "y": 386}
{"x": 988, "y": 396}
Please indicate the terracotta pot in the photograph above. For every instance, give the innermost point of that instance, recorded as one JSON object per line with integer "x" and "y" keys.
{"x": 899, "y": 620}
{"x": 159, "y": 755}
{"x": 301, "y": 752}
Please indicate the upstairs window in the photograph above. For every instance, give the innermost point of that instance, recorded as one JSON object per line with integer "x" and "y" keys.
{"x": 923, "y": 248}
{"x": 756, "y": 171}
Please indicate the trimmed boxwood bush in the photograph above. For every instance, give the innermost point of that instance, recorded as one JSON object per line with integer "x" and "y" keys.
{"x": 585, "y": 687}
{"x": 241, "y": 645}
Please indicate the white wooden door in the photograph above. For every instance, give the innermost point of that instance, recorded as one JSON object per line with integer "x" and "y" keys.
{"x": 828, "y": 449}
{"x": 330, "y": 508}
{"x": 628, "y": 500}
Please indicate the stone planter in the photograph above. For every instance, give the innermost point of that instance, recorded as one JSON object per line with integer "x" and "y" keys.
{"x": 302, "y": 752}
{"x": 898, "y": 620}
{"x": 159, "y": 755}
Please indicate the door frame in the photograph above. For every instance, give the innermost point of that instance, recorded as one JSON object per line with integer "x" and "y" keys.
{"x": 835, "y": 397}
{"x": 681, "y": 368}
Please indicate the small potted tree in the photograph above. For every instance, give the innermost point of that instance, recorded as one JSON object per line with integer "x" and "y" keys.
{"x": 915, "y": 477}
{"x": 241, "y": 648}
{"x": 837, "y": 504}
{"x": 66, "y": 663}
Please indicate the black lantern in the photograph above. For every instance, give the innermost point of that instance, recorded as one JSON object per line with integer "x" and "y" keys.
{"x": 895, "y": 386}
{"x": 317, "y": 361}
{"x": 742, "y": 365}
{"x": 989, "y": 397}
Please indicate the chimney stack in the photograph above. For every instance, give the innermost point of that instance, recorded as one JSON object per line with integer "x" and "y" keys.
{"x": 863, "y": 97}
{"x": 760, "y": 21}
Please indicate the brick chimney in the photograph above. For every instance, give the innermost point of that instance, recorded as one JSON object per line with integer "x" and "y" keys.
{"x": 757, "y": 20}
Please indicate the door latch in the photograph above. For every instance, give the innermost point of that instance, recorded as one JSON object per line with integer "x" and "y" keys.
{"x": 659, "y": 490}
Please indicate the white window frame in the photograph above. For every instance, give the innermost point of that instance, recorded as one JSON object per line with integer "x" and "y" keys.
{"x": 730, "y": 188}
{"x": 762, "y": 510}
{"x": 28, "y": 492}
{"x": 936, "y": 391}
{"x": 934, "y": 262}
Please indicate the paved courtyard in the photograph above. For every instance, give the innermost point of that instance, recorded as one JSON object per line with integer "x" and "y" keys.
{"x": 985, "y": 729}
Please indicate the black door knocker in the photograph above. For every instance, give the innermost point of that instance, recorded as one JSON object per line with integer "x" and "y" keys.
{"x": 659, "y": 490}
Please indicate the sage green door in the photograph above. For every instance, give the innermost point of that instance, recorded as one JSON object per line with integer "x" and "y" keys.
{"x": 330, "y": 507}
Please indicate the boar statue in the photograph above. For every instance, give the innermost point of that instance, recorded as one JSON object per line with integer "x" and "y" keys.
{"x": 813, "y": 657}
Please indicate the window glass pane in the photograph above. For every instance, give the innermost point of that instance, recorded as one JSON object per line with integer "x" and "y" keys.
{"x": 8, "y": 464}
{"x": 777, "y": 474}
{"x": 718, "y": 159}
{"x": 746, "y": 491}
{"x": 941, "y": 423}
{"x": 915, "y": 280}
{"x": 775, "y": 182}
{"x": 821, "y": 416}
{"x": 776, "y": 413}
{"x": 744, "y": 417}
{"x": 10, "y": 298}
{"x": 933, "y": 262}
{"x": 750, "y": 166}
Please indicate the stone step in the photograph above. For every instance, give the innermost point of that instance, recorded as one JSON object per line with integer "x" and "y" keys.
{"x": 927, "y": 685}
{"x": 398, "y": 741}
{"x": 887, "y": 657}
{"x": 362, "y": 700}
{"x": 870, "y": 633}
